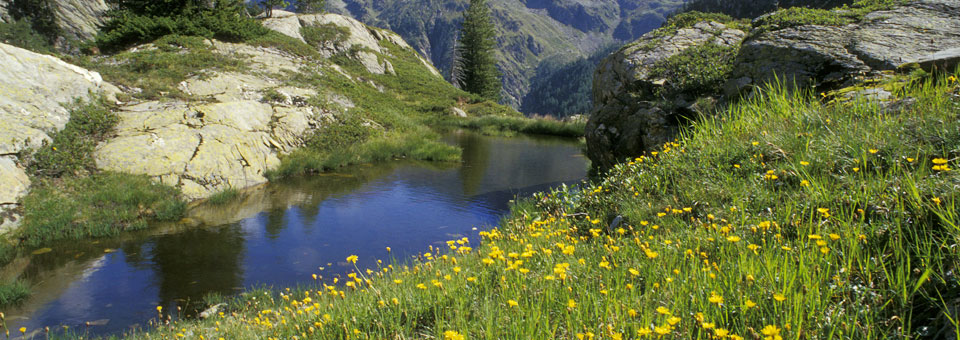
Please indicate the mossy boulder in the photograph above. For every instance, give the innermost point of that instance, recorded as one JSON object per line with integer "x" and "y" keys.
{"x": 643, "y": 91}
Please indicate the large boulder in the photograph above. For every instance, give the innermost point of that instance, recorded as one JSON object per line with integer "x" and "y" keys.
{"x": 627, "y": 119}
{"x": 35, "y": 92}
{"x": 828, "y": 57}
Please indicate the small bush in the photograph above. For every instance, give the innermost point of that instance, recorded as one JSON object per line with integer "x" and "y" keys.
{"x": 320, "y": 36}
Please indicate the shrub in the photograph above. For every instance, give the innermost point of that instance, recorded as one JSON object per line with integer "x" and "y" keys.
{"x": 321, "y": 35}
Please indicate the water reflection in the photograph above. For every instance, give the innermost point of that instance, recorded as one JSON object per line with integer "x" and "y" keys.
{"x": 280, "y": 234}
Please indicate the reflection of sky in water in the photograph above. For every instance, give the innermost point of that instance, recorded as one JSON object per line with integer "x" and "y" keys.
{"x": 303, "y": 224}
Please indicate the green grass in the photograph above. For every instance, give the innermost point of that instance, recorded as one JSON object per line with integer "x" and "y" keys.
{"x": 99, "y": 205}
{"x": 799, "y": 16}
{"x": 224, "y": 196}
{"x": 158, "y": 72}
{"x": 411, "y": 145}
{"x": 499, "y": 125}
{"x": 782, "y": 217}
{"x": 70, "y": 199}
{"x": 13, "y": 293}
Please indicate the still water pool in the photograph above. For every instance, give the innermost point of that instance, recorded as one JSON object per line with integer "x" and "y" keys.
{"x": 280, "y": 234}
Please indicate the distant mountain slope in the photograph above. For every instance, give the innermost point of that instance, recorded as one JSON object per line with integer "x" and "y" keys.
{"x": 531, "y": 31}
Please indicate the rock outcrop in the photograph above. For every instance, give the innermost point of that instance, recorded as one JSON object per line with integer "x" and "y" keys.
{"x": 828, "y": 57}
{"x": 627, "y": 119}
{"x": 80, "y": 19}
{"x": 34, "y": 95}
{"x": 626, "y": 122}
{"x": 366, "y": 38}
{"x": 77, "y": 20}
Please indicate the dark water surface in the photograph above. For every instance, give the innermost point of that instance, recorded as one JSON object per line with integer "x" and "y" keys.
{"x": 279, "y": 234}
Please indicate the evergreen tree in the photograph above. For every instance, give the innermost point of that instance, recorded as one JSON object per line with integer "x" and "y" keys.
{"x": 476, "y": 46}
{"x": 311, "y": 6}
{"x": 269, "y": 5}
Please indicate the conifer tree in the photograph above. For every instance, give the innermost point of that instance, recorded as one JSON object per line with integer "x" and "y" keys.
{"x": 269, "y": 5}
{"x": 477, "y": 61}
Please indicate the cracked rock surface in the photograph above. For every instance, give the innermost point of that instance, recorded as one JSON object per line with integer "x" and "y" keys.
{"x": 229, "y": 141}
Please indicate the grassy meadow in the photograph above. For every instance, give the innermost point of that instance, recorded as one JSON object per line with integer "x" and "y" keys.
{"x": 781, "y": 218}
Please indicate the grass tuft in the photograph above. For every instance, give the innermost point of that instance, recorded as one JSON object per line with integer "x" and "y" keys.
{"x": 13, "y": 293}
